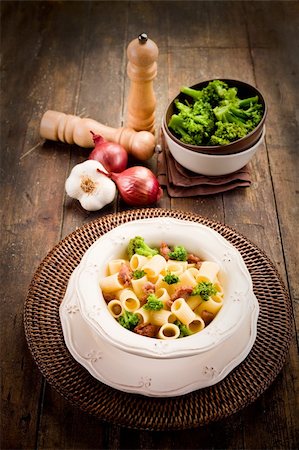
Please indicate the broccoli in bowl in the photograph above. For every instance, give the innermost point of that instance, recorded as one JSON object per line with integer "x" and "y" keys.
{"x": 218, "y": 113}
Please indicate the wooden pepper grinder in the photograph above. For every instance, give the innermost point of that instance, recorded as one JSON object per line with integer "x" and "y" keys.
{"x": 142, "y": 69}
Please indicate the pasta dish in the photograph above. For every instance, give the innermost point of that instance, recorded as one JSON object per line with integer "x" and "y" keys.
{"x": 164, "y": 293}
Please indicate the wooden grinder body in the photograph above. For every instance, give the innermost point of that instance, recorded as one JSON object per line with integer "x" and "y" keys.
{"x": 142, "y": 69}
{"x": 72, "y": 129}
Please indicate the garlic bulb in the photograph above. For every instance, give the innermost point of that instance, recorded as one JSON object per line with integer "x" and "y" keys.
{"x": 93, "y": 189}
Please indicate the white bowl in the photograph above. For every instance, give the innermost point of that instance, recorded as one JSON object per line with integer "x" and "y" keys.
{"x": 211, "y": 165}
{"x": 197, "y": 239}
{"x": 152, "y": 367}
{"x": 152, "y": 377}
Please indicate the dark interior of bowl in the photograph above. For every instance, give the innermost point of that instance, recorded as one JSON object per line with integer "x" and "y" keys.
{"x": 244, "y": 91}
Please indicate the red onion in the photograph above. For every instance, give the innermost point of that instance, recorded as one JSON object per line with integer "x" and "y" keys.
{"x": 137, "y": 185}
{"x": 112, "y": 155}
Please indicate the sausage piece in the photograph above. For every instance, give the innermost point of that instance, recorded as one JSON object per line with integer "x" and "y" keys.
{"x": 192, "y": 259}
{"x": 165, "y": 250}
{"x": 148, "y": 288}
{"x": 207, "y": 316}
{"x": 108, "y": 297}
{"x": 148, "y": 330}
{"x": 181, "y": 292}
{"x": 125, "y": 275}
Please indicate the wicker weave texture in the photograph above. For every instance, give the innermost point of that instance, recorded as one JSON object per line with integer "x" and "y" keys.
{"x": 241, "y": 387}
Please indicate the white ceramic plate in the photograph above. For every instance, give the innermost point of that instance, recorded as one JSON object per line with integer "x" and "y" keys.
{"x": 198, "y": 239}
{"x": 154, "y": 377}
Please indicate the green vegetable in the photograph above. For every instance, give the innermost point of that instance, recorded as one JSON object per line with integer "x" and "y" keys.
{"x": 138, "y": 274}
{"x": 179, "y": 253}
{"x": 197, "y": 120}
{"x": 183, "y": 129}
{"x": 227, "y": 132}
{"x": 216, "y": 117}
{"x": 184, "y": 331}
{"x": 235, "y": 119}
{"x": 171, "y": 278}
{"x": 205, "y": 289}
{"x": 128, "y": 320}
{"x": 212, "y": 94}
{"x": 153, "y": 303}
{"x": 137, "y": 245}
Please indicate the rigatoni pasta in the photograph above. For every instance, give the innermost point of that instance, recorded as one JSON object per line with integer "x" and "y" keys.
{"x": 176, "y": 267}
{"x": 162, "y": 294}
{"x": 111, "y": 283}
{"x": 188, "y": 278}
{"x": 115, "y": 265}
{"x": 138, "y": 284}
{"x": 157, "y": 295}
{"x": 137, "y": 261}
{"x": 115, "y": 308}
{"x": 169, "y": 331}
{"x": 212, "y": 305}
{"x": 194, "y": 301}
{"x": 208, "y": 271}
{"x": 129, "y": 300}
{"x": 182, "y": 311}
{"x": 196, "y": 325}
{"x": 154, "y": 266}
{"x": 162, "y": 316}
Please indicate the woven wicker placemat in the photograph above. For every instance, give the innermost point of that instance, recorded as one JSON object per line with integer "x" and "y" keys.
{"x": 241, "y": 387}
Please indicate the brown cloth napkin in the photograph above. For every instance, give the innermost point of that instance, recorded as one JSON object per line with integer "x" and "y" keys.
{"x": 181, "y": 182}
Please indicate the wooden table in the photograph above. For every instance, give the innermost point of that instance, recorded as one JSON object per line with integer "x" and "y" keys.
{"x": 71, "y": 56}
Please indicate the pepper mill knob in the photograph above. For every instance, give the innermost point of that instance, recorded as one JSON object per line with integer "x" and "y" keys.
{"x": 142, "y": 54}
{"x": 71, "y": 129}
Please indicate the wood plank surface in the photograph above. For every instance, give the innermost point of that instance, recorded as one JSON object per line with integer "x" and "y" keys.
{"x": 71, "y": 56}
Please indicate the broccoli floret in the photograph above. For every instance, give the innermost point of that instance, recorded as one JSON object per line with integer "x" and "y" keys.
{"x": 137, "y": 245}
{"x": 237, "y": 110}
{"x": 186, "y": 109}
{"x": 193, "y": 93}
{"x": 200, "y": 110}
{"x": 217, "y": 91}
{"x": 171, "y": 278}
{"x": 184, "y": 331}
{"x": 256, "y": 114}
{"x": 193, "y": 123}
{"x": 229, "y": 113}
{"x": 128, "y": 320}
{"x": 227, "y": 132}
{"x": 137, "y": 274}
{"x": 153, "y": 303}
{"x": 179, "y": 253}
{"x": 213, "y": 93}
{"x": 235, "y": 119}
{"x": 186, "y": 129}
{"x": 205, "y": 289}
{"x": 203, "y": 113}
